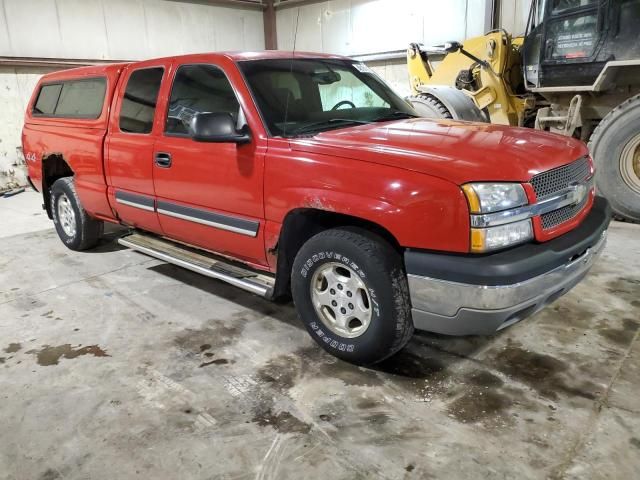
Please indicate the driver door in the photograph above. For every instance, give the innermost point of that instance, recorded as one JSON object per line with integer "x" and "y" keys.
{"x": 208, "y": 194}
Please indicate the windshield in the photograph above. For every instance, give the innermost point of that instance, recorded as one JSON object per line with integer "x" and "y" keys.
{"x": 307, "y": 96}
{"x": 563, "y": 5}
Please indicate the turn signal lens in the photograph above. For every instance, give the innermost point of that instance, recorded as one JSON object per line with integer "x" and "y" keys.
{"x": 502, "y": 236}
{"x": 472, "y": 198}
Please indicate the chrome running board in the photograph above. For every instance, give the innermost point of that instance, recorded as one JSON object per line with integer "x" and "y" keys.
{"x": 200, "y": 262}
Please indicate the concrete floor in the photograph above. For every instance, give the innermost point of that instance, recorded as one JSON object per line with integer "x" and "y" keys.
{"x": 115, "y": 365}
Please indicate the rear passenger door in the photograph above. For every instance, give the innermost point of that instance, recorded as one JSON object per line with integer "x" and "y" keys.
{"x": 133, "y": 131}
{"x": 208, "y": 194}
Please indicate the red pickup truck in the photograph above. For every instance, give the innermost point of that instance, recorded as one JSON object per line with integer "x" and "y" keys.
{"x": 306, "y": 176}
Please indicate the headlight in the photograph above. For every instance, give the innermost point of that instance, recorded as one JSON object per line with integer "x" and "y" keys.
{"x": 494, "y": 197}
{"x": 503, "y": 229}
{"x": 501, "y": 236}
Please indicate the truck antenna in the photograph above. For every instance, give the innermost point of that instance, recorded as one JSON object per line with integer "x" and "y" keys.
{"x": 293, "y": 54}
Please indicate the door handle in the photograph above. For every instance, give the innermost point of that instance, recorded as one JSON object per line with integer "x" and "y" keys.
{"x": 163, "y": 160}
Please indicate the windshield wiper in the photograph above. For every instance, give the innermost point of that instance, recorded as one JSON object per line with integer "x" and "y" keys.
{"x": 394, "y": 115}
{"x": 323, "y": 124}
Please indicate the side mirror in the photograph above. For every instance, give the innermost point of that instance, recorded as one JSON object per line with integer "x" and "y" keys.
{"x": 219, "y": 127}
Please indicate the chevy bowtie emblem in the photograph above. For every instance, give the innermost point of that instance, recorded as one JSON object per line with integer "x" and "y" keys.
{"x": 578, "y": 192}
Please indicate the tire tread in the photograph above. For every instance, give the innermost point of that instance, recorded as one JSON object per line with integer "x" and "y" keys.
{"x": 379, "y": 251}
{"x": 600, "y": 133}
{"x": 434, "y": 103}
{"x": 89, "y": 228}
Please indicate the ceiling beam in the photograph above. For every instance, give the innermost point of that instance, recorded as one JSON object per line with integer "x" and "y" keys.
{"x": 270, "y": 29}
{"x": 52, "y": 62}
{"x": 241, "y": 4}
{"x": 282, "y": 4}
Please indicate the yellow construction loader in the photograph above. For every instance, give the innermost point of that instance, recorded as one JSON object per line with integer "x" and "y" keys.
{"x": 576, "y": 72}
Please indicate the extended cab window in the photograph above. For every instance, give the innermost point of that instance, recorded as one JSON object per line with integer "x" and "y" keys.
{"x": 196, "y": 89}
{"x": 139, "y": 102}
{"x": 72, "y": 99}
{"x": 47, "y": 99}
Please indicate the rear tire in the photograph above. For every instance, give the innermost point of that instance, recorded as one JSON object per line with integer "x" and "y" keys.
{"x": 77, "y": 230}
{"x": 347, "y": 270}
{"x": 615, "y": 148}
{"x": 429, "y": 106}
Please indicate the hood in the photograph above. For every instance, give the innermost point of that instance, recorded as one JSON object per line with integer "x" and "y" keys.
{"x": 453, "y": 150}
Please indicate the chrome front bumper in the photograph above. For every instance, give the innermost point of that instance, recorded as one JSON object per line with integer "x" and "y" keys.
{"x": 454, "y": 308}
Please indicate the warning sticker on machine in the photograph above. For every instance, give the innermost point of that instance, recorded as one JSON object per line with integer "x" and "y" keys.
{"x": 574, "y": 44}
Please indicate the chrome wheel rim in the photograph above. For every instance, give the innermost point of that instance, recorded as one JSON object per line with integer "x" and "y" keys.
{"x": 66, "y": 216}
{"x": 341, "y": 300}
{"x": 630, "y": 164}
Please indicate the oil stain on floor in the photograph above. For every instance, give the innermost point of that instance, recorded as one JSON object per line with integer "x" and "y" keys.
{"x": 544, "y": 373}
{"x": 283, "y": 422}
{"x": 13, "y": 348}
{"x": 51, "y": 355}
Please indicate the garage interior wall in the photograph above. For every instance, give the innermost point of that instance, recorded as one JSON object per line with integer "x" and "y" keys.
{"x": 67, "y": 33}
{"x": 514, "y": 15}
{"x": 369, "y": 28}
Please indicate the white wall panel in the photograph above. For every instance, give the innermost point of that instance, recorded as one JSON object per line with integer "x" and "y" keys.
{"x": 285, "y": 26}
{"x": 81, "y": 28}
{"x": 514, "y": 14}
{"x": 123, "y": 29}
{"x": 16, "y": 85}
{"x": 164, "y": 28}
{"x": 253, "y": 38}
{"x": 31, "y": 35}
{"x": 126, "y": 33}
{"x": 336, "y": 27}
{"x": 196, "y": 25}
{"x": 354, "y": 27}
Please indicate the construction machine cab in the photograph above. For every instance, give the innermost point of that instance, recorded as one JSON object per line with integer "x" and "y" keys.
{"x": 569, "y": 42}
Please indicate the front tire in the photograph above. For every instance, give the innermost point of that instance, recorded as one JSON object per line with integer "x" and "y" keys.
{"x": 77, "y": 230}
{"x": 351, "y": 293}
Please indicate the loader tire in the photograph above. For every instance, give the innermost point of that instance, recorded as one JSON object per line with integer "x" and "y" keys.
{"x": 615, "y": 148}
{"x": 429, "y": 106}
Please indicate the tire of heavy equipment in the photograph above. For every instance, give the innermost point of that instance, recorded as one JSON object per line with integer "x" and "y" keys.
{"x": 76, "y": 229}
{"x": 357, "y": 257}
{"x": 428, "y": 106}
{"x": 609, "y": 147}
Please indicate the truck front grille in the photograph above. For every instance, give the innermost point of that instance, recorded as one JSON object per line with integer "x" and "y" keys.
{"x": 548, "y": 183}
{"x": 556, "y": 180}
{"x": 564, "y": 214}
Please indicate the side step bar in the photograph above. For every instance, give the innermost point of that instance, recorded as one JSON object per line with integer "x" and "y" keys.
{"x": 200, "y": 262}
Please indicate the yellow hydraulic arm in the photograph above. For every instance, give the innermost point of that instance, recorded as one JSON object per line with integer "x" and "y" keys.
{"x": 486, "y": 68}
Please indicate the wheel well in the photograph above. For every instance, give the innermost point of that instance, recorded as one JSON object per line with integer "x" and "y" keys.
{"x": 53, "y": 167}
{"x": 300, "y": 225}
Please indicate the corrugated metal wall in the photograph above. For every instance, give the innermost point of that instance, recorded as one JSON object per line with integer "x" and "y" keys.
{"x": 103, "y": 30}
